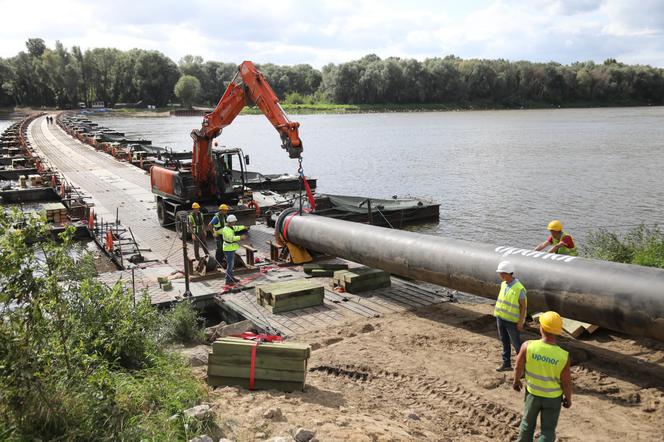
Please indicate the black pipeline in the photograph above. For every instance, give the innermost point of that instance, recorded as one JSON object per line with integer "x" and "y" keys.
{"x": 620, "y": 297}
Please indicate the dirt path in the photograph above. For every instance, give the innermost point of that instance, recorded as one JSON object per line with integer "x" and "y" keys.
{"x": 429, "y": 375}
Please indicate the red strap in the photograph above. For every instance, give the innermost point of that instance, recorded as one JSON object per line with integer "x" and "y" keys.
{"x": 286, "y": 223}
{"x": 310, "y": 194}
{"x": 252, "y": 367}
{"x": 258, "y": 337}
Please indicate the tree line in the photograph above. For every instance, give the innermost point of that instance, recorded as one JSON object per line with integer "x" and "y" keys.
{"x": 64, "y": 77}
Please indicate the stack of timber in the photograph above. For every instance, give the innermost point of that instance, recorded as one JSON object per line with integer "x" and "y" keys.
{"x": 285, "y": 296}
{"x": 277, "y": 365}
{"x": 361, "y": 279}
{"x": 323, "y": 269}
{"x": 55, "y": 212}
{"x": 35, "y": 180}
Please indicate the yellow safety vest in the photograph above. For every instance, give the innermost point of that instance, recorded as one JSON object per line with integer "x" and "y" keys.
{"x": 507, "y": 304}
{"x": 221, "y": 222}
{"x": 544, "y": 365}
{"x": 196, "y": 222}
{"x": 562, "y": 250}
{"x": 231, "y": 241}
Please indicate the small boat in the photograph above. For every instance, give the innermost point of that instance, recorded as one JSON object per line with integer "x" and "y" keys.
{"x": 395, "y": 212}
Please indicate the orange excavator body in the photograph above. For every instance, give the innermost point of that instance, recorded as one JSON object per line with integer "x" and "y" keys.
{"x": 249, "y": 86}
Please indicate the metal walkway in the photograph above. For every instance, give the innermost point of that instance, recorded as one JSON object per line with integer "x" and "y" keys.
{"x": 111, "y": 185}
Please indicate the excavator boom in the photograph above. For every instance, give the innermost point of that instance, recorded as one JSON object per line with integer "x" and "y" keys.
{"x": 248, "y": 86}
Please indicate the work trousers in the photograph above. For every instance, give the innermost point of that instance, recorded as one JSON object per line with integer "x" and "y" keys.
{"x": 508, "y": 333}
{"x": 219, "y": 252}
{"x": 198, "y": 238}
{"x": 549, "y": 411}
{"x": 230, "y": 263}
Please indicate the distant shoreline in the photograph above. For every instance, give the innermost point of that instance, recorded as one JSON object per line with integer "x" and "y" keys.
{"x": 340, "y": 109}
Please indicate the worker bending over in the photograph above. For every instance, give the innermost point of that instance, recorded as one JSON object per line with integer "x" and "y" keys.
{"x": 510, "y": 312}
{"x": 561, "y": 241}
{"x": 217, "y": 223}
{"x": 231, "y": 243}
{"x": 548, "y": 380}
{"x": 198, "y": 235}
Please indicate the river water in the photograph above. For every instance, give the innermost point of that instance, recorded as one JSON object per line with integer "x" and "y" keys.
{"x": 499, "y": 176}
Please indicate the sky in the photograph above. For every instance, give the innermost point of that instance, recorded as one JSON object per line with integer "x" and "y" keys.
{"x": 334, "y": 31}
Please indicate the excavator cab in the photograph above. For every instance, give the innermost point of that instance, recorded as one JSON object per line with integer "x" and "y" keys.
{"x": 230, "y": 174}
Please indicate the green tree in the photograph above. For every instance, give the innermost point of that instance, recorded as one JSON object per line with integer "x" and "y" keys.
{"x": 155, "y": 76}
{"x": 36, "y": 46}
{"x": 188, "y": 89}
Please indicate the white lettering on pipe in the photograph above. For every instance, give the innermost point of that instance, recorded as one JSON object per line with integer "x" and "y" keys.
{"x": 507, "y": 251}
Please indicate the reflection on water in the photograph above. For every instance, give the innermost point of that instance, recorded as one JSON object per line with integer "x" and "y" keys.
{"x": 500, "y": 176}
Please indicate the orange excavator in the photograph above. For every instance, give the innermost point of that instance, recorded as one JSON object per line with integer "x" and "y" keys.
{"x": 209, "y": 177}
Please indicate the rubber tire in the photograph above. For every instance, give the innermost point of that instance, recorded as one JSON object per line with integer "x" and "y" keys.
{"x": 180, "y": 217}
{"x": 162, "y": 216}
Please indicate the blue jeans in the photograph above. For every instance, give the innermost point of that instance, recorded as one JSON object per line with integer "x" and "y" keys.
{"x": 508, "y": 333}
{"x": 230, "y": 262}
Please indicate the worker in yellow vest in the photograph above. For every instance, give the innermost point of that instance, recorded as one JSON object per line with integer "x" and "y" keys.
{"x": 562, "y": 242}
{"x": 196, "y": 228}
{"x": 510, "y": 312}
{"x": 548, "y": 380}
{"x": 216, "y": 225}
{"x": 231, "y": 243}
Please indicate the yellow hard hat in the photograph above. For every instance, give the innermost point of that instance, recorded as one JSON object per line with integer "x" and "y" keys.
{"x": 195, "y": 206}
{"x": 224, "y": 207}
{"x": 555, "y": 225}
{"x": 551, "y": 322}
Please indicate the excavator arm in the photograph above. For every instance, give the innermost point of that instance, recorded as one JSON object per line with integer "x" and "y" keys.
{"x": 249, "y": 86}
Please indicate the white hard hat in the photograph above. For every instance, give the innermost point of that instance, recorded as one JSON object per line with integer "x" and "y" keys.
{"x": 505, "y": 267}
{"x": 231, "y": 219}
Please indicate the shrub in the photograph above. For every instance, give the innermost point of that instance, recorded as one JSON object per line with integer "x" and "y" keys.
{"x": 298, "y": 98}
{"x": 78, "y": 361}
{"x": 183, "y": 325}
{"x": 642, "y": 245}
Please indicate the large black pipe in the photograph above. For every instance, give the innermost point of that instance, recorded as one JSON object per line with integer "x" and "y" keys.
{"x": 620, "y": 297}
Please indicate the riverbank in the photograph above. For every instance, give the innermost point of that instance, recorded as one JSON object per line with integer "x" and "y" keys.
{"x": 336, "y": 108}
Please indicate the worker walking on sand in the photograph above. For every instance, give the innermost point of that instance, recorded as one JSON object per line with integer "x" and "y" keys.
{"x": 510, "y": 312}
{"x": 216, "y": 225}
{"x": 562, "y": 242}
{"x": 548, "y": 380}
{"x": 231, "y": 243}
{"x": 198, "y": 235}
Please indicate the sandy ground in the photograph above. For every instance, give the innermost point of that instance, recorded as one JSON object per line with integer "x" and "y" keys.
{"x": 430, "y": 375}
